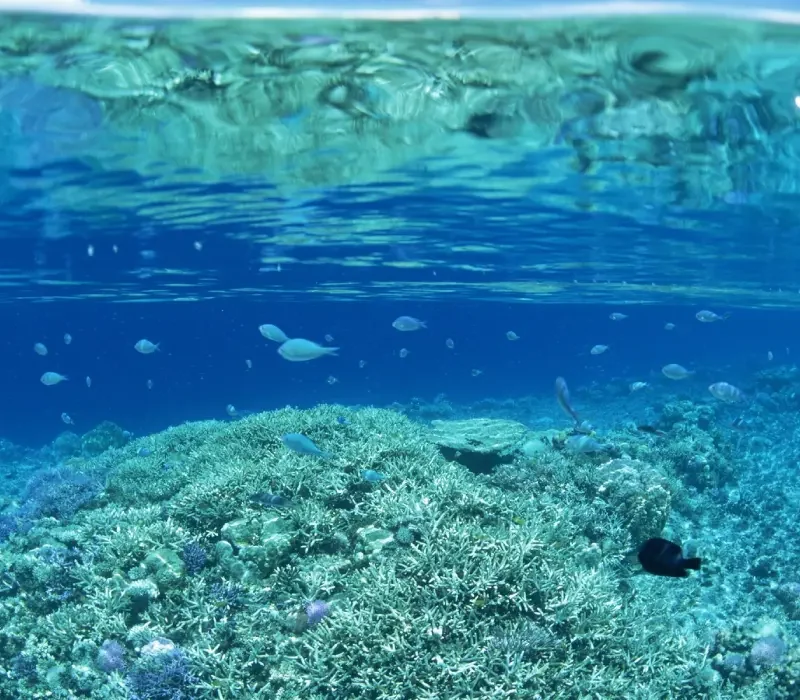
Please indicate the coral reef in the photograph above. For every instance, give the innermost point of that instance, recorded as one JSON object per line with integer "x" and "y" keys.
{"x": 104, "y": 437}
{"x": 432, "y": 582}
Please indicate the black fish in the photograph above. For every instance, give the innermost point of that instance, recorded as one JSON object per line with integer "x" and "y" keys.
{"x": 664, "y": 558}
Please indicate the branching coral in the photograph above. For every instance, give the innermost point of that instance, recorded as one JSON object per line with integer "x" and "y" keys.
{"x": 434, "y": 582}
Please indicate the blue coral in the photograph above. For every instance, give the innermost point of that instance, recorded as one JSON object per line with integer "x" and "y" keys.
{"x": 316, "y": 611}
{"x": 162, "y": 676}
{"x": 111, "y": 656}
{"x": 9, "y": 524}
{"x": 58, "y": 493}
{"x": 194, "y": 558}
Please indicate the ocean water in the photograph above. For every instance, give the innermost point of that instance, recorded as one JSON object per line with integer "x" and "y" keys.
{"x": 531, "y": 183}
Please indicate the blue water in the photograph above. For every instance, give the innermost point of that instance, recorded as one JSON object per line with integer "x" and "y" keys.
{"x": 204, "y": 346}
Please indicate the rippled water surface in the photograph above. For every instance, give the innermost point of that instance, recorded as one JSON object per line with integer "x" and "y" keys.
{"x": 642, "y": 158}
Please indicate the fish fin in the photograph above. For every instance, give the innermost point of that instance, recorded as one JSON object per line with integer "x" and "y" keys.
{"x": 332, "y": 351}
{"x": 424, "y": 324}
{"x": 692, "y": 563}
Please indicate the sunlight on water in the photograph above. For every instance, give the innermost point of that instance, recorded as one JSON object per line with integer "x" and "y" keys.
{"x": 603, "y": 157}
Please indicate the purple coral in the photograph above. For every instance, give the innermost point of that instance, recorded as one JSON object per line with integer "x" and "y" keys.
{"x": 316, "y": 611}
{"x": 111, "y": 656}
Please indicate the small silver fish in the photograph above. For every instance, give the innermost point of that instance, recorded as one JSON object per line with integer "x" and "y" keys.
{"x": 675, "y": 371}
{"x": 408, "y": 323}
{"x": 617, "y": 316}
{"x": 706, "y": 316}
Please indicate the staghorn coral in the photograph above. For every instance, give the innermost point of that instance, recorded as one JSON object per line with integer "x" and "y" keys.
{"x": 476, "y": 562}
{"x": 639, "y": 494}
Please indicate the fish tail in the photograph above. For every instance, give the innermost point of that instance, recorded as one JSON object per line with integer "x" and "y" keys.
{"x": 692, "y": 563}
{"x": 424, "y": 324}
{"x": 726, "y": 315}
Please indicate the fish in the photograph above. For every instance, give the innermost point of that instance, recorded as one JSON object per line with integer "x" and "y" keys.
{"x": 449, "y": 343}
{"x": 664, "y": 558}
{"x": 302, "y": 445}
{"x": 144, "y": 452}
{"x": 562, "y": 396}
{"x": 727, "y": 393}
{"x": 145, "y": 347}
{"x": 372, "y": 476}
{"x": 636, "y": 386}
{"x": 669, "y": 326}
{"x": 739, "y": 423}
{"x": 617, "y": 316}
{"x": 512, "y": 336}
{"x": 341, "y": 420}
{"x": 67, "y": 419}
{"x": 52, "y": 378}
{"x": 408, "y": 323}
{"x": 272, "y": 332}
{"x": 403, "y": 352}
{"x": 651, "y": 430}
{"x": 598, "y": 349}
{"x": 706, "y": 316}
{"x": 302, "y": 350}
{"x": 67, "y": 338}
{"x": 673, "y": 371}
{"x": 270, "y": 500}
{"x": 583, "y": 444}
{"x": 40, "y": 349}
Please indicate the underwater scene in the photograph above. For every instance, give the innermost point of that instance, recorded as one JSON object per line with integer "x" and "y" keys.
{"x": 399, "y": 352}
